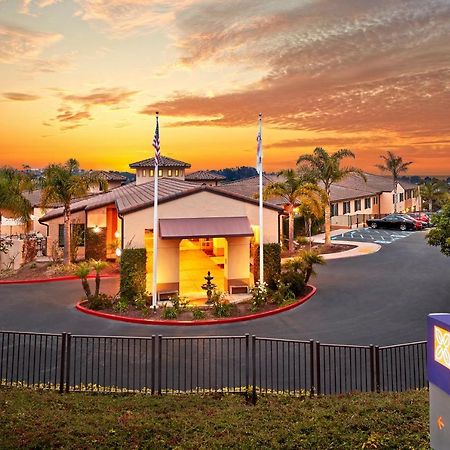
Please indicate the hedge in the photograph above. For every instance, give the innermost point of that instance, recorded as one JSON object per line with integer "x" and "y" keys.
{"x": 272, "y": 264}
{"x": 95, "y": 244}
{"x": 132, "y": 273}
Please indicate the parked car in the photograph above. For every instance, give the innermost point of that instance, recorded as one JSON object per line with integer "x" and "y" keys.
{"x": 395, "y": 222}
{"x": 422, "y": 217}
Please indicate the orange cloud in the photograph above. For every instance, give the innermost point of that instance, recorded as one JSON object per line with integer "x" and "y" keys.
{"x": 101, "y": 96}
{"x": 19, "y": 44}
{"x": 20, "y": 96}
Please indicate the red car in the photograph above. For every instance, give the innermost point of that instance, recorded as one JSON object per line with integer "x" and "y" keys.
{"x": 422, "y": 217}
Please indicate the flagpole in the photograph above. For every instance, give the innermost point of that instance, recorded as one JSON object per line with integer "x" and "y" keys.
{"x": 155, "y": 227}
{"x": 261, "y": 221}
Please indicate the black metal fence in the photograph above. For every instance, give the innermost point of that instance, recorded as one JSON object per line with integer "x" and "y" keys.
{"x": 240, "y": 364}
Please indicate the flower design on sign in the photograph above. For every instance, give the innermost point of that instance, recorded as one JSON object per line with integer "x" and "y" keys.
{"x": 442, "y": 346}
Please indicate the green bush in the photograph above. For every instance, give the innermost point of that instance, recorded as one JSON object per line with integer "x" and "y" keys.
{"x": 121, "y": 305}
{"x": 259, "y": 295}
{"x": 272, "y": 264}
{"x": 197, "y": 313}
{"x": 101, "y": 301}
{"x": 221, "y": 306}
{"x": 169, "y": 312}
{"x": 302, "y": 240}
{"x": 295, "y": 281}
{"x": 132, "y": 273}
{"x": 95, "y": 244}
{"x": 283, "y": 293}
{"x": 439, "y": 236}
{"x": 179, "y": 303}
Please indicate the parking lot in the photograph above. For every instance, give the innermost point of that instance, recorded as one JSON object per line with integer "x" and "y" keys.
{"x": 383, "y": 237}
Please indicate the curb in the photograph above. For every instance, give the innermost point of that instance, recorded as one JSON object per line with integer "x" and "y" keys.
{"x": 80, "y": 307}
{"x": 50, "y": 280}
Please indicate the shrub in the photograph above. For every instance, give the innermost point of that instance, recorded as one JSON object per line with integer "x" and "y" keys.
{"x": 82, "y": 271}
{"x": 179, "y": 303}
{"x": 272, "y": 264}
{"x": 95, "y": 244}
{"x": 132, "y": 273}
{"x": 197, "y": 313}
{"x": 121, "y": 305}
{"x": 29, "y": 250}
{"x": 283, "y": 293}
{"x": 221, "y": 306}
{"x": 141, "y": 302}
{"x": 439, "y": 236}
{"x": 295, "y": 281}
{"x": 259, "y": 295}
{"x": 169, "y": 312}
{"x": 302, "y": 240}
{"x": 100, "y": 301}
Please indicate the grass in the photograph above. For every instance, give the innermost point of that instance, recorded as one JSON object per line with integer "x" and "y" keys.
{"x": 42, "y": 419}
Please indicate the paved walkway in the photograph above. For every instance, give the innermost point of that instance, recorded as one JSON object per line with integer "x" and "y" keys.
{"x": 382, "y": 298}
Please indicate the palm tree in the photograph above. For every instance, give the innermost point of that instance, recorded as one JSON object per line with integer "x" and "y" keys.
{"x": 305, "y": 263}
{"x": 395, "y": 166}
{"x": 432, "y": 191}
{"x": 13, "y": 185}
{"x": 82, "y": 271}
{"x": 321, "y": 166}
{"x": 294, "y": 190}
{"x": 312, "y": 208}
{"x": 62, "y": 183}
{"x": 98, "y": 266}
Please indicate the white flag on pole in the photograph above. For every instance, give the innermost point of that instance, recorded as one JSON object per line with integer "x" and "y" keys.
{"x": 259, "y": 149}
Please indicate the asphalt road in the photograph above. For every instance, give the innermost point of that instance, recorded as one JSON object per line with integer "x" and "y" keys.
{"x": 382, "y": 298}
{"x": 378, "y": 236}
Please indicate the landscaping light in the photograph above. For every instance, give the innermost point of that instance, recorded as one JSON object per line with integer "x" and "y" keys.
{"x": 97, "y": 229}
{"x": 118, "y": 252}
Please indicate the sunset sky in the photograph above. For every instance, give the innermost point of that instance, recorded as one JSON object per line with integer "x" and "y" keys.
{"x": 83, "y": 78}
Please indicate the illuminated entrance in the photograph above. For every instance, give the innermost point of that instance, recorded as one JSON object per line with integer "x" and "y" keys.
{"x": 197, "y": 257}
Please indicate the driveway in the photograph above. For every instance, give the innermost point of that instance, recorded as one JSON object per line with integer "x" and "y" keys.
{"x": 382, "y": 298}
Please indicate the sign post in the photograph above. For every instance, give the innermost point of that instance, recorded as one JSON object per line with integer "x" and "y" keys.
{"x": 438, "y": 365}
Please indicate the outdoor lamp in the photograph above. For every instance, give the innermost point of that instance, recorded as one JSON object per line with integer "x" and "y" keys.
{"x": 96, "y": 229}
{"x": 118, "y": 252}
{"x": 117, "y": 234}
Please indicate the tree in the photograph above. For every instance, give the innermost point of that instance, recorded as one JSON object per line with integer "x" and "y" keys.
{"x": 439, "y": 235}
{"x": 321, "y": 166}
{"x": 395, "y": 166}
{"x": 82, "y": 271}
{"x": 305, "y": 263}
{"x": 313, "y": 208}
{"x": 98, "y": 266}
{"x": 294, "y": 191}
{"x": 13, "y": 185}
{"x": 63, "y": 183}
{"x": 432, "y": 191}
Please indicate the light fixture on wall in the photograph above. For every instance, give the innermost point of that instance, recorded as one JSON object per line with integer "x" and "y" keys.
{"x": 118, "y": 252}
{"x": 97, "y": 229}
{"x": 117, "y": 234}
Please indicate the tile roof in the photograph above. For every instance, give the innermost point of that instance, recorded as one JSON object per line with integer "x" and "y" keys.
{"x": 112, "y": 176}
{"x": 204, "y": 175}
{"x": 165, "y": 162}
{"x": 132, "y": 197}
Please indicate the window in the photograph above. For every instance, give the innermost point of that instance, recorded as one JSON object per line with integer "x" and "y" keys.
{"x": 346, "y": 207}
{"x": 357, "y": 205}
{"x": 177, "y": 173}
{"x": 77, "y": 230}
{"x": 375, "y": 200}
{"x": 152, "y": 172}
{"x": 402, "y": 196}
{"x": 160, "y": 172}
{"x": 169, "y": 172}
{"x": 334, "y": 209}
{"x": 367, "y": 203}
{"x": 144, "y": 173}
{"x": 393, "y": 198}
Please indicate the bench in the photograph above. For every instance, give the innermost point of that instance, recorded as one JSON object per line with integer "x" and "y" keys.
{"x": 165, "y": 296}
{"x": 238, "y": 289}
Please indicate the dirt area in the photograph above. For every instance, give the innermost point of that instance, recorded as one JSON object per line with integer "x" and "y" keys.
{"x": 48, "y": 270}
{"x": 237, "y": 310}
{"x": 322, "y": 249}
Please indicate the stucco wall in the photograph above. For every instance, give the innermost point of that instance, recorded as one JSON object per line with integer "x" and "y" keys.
{"x": 201, "y": 204}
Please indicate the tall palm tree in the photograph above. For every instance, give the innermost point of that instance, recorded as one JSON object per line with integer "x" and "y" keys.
{"x": 395, "y": 166}
{"x": 13, "y": 185}
{"x": 311, "y": 209}
{"x": 325, "y": 167}
{"x": 63, "y": 183}
{"x": 294, "y": 191}
{"x": 432, "y": 191}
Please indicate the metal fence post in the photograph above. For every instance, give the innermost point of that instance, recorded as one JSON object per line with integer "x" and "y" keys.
{"x": 247, "y": 362}
{"x": 68, "y": 352}
{"x": 152, "y": 386}
{"x": 254, "y": 369}
{"x": 377, "y": 368}
{"x": 311, "y": 367}
{"x": 317, "y": 357}
{"x": 159, "y": 364}
{"x": 372, "y": 368}
{"x": 62, "y": 365}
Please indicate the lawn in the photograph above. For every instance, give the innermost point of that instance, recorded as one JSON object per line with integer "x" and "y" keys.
{"x": 33, "y": 419}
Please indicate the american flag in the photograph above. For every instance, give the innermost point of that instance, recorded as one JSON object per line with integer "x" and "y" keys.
{"x": 259, "y": 148}
{"x": 156, "y": 143}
